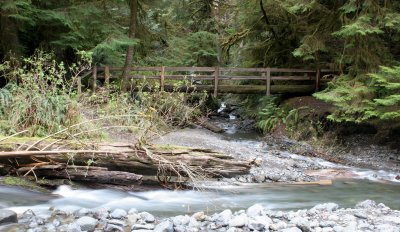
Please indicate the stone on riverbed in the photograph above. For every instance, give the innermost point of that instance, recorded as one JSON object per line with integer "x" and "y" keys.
{"x": 165, "y": 226}
{"x": 87, "y": 223}
{"x": 328, "y": 207}
{"x": 118, "y": 214}
{"x": 8, "y": 216}
{"x": 147, "y": 217}
{"x": 255, "y": 210}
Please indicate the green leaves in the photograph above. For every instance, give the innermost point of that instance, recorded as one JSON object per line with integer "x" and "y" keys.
{"x": 375, "y": 95}
{"x": 362, "y": 26}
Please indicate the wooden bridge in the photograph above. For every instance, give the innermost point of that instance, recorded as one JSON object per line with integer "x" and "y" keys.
{"x": 218, "y": 79}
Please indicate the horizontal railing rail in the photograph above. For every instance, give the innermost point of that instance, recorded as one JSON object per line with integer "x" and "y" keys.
{"x": 215, "y": 74}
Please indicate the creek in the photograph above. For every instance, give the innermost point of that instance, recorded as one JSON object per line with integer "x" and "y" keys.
{"x": 368, "y": 184}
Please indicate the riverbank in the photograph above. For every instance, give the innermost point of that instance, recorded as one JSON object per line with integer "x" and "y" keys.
{"x": 327, "y": 217}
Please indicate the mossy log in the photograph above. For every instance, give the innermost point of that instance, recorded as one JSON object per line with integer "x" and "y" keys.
{"x": 154, "y": 160}
{"x": 83, "y": 173}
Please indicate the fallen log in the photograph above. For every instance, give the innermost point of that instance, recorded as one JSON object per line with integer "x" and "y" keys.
{"x": 82, "y": 173}
{"x": 155, "y": 160}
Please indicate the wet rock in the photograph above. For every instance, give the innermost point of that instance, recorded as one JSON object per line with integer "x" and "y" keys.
{"x": 73, "y": 227}
{"x": 101, "y": 213}
{"x": 132, "y": 211}
{"x": 181, "y": 220}
{"x": 56, "y": 223}
{"x": 199, "y": 216}
{"x": 292, "y": 229}
{"x": 328, "y": 207}
{"x": 223, "y": 218}
{"x": 256, "y": 225}
{"x": 83, "y": 212}
{"x": 165, "y": 226}
{"x": 118, "y": 214}
{"x": 117, "y": 222}
{"x": 113, "y": 228}
{"x": 367, "y": 204}
{"x": 361, "y": 215}
{"x": 8, "y": 216}
{"x": 273, "y": 177}
{"x": 259, "y": 178}
{"x": 387, "y": 228}
{"x": 147, "y": 217}
{"x": 327, "y": 224}
{"x": 255, "y": 210}
{"x": 143, "y": 227}
{"x": 239, "y": 221}
{"x": 338, "y": 228}
{"x": 132, "y": 219}
{"x": 302, "y": 223}
{"x": 87, "y": 223}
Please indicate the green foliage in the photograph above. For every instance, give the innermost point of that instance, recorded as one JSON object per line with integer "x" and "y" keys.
{"x": 272, "y": 115}
{"x": 40, "y": 96}
{"x": 375, "y": 95}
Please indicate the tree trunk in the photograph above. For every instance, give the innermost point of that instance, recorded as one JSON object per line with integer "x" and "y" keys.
{"x": 132, "y": 34}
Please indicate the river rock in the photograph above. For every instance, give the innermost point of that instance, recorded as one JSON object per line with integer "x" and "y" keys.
{"x": 292, "y": 229}
{"x": 73, "y": 227}
{"x": 113, "y": 228}
{"x": 199, "y": 216}
{"x": 239, "y": 221}
{"x": 117, "y": 222}
{"x": 328, "y": 207}
{"x": 87, "y": 223}
{"x": 181, "y": 220}
{"x": 147, "y": 217}
{"x": 132, "y": 219}
{"x": 143, "y": 227}
{"x": 118, "y": 214}
{"x": 327, "y": 224}
{"x": 302, "y": 223}
{"x": 387, "y": 228}
{"x": 132, "y": 211}
{"x": 367, "y": 204}
{"x": 223, "y": 218}
{"x": 165, "y": 226}
{"x": 255, "y": 210}
{"x": 8, "y": 216}
{"x": 256, "y": 225}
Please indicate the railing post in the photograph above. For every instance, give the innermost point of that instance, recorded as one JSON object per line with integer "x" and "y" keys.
{"x": 107, "y": 77}
{"x": 94, "y": 78}
{"x": 216, "y": 77}
{"x": 268, "y": 81}
{"x": 79, "y": 83}
{"x": 162, "y": 77}
{"x": 317, "y": 79}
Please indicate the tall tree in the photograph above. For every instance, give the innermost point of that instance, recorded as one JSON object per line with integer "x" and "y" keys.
{"x": 132, "y": 35}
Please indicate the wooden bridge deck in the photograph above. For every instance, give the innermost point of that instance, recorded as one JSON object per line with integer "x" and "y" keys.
{"x": 218, "y": 79}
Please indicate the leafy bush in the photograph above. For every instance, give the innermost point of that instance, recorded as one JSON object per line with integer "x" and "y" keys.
{"x": 375, "y": 95}
{"x": 40, "y": 96}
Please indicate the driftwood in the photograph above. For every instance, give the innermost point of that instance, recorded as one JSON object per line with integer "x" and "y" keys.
{"x": 82, "y": 173}
{"x": 118, "y": 162}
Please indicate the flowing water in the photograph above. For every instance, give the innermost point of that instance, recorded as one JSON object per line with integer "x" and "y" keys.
{"x": 370, "y": 184}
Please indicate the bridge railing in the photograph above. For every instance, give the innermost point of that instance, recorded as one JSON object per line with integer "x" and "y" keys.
{"x": 214, "y": 74}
